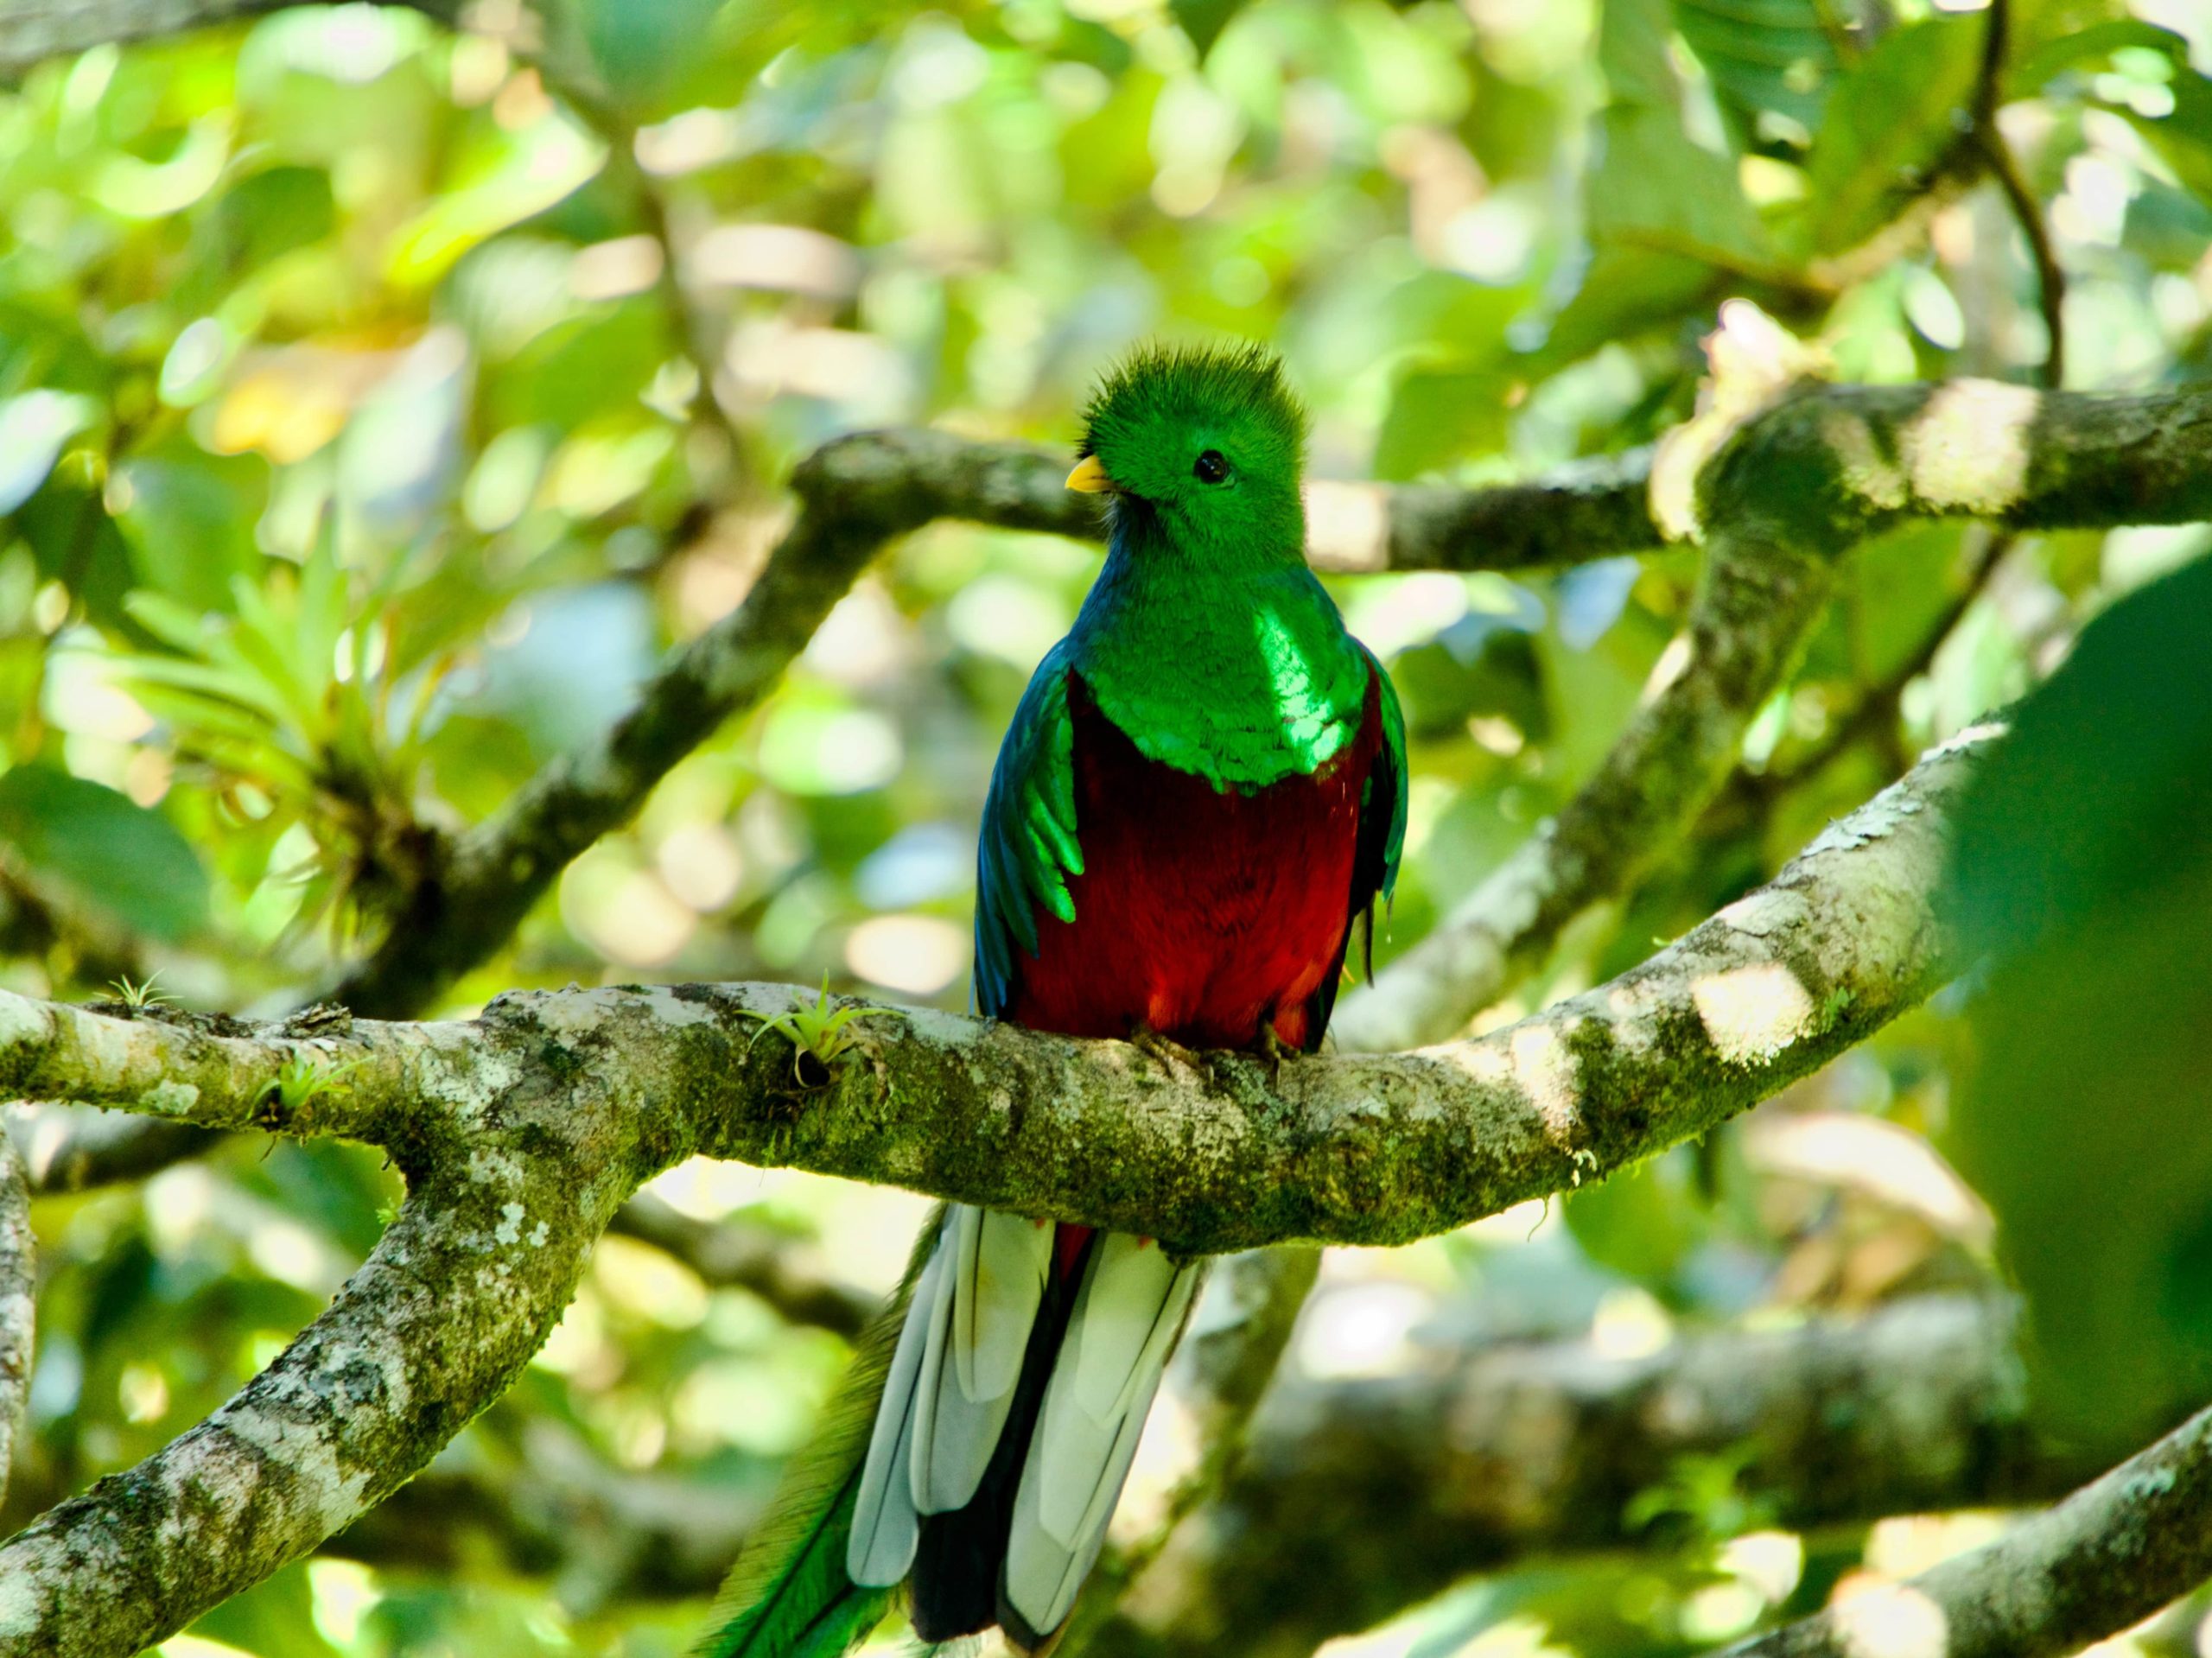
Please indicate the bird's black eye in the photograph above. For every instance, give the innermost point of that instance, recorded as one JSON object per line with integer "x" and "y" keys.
{"x": 1210, "y": 467}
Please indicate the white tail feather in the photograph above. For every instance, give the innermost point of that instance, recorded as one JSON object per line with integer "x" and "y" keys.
{"x": 999, "y": 1294}
{"x": 1126, "y": 1317}
{"x": 994, "y": 1281}
{"x": 1123, "y": 1319}
{"x": 885, "y": 1525}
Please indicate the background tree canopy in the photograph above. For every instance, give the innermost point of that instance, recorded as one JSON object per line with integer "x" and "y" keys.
{"x": 429, "y": 567}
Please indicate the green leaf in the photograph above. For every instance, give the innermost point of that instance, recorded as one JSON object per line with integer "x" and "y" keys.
{"x": 1204, "y": 20}
{"x": 1657, "y": 192}
{"x": 1632, "y": 50}
{"x": 188, "y": 518}
{"x": 2031, "y": 74}
{"x": 1625, "y": 292}
{"x": 640, "y": 47}
{"x": 1764, "y": 56}
{"x": 1642, "y": 1222}
{"x": 2083, "y": 872}
{"x": 1439, "y": 416}
{"x": 1891, "y": 118}
{"x": 268, "y": 214}
{"x": 110, "y": 852}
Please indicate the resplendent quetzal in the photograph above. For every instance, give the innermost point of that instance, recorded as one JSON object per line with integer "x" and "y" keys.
{"x": 1203, "y": 792}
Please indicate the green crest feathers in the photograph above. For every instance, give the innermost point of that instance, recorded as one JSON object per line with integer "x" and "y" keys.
{"x": 1191, "y": 386}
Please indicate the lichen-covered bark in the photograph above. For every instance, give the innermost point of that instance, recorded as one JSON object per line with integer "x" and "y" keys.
{"x": 31, "y": 31}
{"x": 2109, "y": 1556}
{"x": 588, "y": 1094}
{"x": 1382, "y": 1149}
{"x": 1355, "y": 1149}
{"x": 18, "y": 1309}
{"x": 513, "y": 1172}
{"x": 1360, "y": 1497}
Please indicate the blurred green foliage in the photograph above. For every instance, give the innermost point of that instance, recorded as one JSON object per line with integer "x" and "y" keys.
{"x": 360, "y": 452}
{"x": 2083, "y": 871}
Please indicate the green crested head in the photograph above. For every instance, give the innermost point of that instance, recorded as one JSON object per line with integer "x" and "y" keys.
{"x": 1204, "y": 442}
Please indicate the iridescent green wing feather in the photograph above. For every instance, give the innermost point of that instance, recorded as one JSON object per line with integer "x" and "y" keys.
{"x": 1028, "y": 848}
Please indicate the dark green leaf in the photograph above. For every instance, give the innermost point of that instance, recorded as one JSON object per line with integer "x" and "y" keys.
{"x": 2083, "y": 871}
{"x": 1440, "y": 415}
{"x": 1204, "y": 20}
{"x": 1765, "y": 56}
{"x": 110, "y": 852}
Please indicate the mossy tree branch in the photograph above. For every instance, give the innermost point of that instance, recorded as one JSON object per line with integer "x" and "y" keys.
{"x": 2109, "y": 1556}
{"x": 33, "y": 30}
{"x": 1350, "y": 1503}
{"x": 18, "y": 1309}
{"x": 1363, "y": 1149}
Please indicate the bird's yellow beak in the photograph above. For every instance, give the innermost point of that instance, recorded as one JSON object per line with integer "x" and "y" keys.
{"x": 1089, "y": 478}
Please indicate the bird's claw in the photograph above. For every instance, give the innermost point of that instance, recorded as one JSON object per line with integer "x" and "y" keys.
{"x": 1167, "y": 1051}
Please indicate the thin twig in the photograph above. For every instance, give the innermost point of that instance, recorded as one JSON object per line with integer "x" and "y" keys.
{"x": 1987, "y": 141}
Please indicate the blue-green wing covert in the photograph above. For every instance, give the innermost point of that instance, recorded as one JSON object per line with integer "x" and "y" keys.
{"x": 1382, "y": 840}
{"x": 1027, "y": 847}
{"x": 1382, "y": 813}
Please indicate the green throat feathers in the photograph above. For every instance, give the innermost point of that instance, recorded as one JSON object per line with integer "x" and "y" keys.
{"x": 1206, "y": 638}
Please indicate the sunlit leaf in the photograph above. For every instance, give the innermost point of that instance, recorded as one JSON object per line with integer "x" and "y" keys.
{"x": 33, "y": 428}
{"x": 1893, "y": 116}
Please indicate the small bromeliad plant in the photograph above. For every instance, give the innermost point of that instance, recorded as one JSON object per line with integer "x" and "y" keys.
{"x": 819, "y": 1033}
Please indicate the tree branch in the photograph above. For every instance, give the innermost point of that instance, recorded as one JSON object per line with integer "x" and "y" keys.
{"x": 68, "y": 1148}
{"x": 521, "y": 1132}
{"x": 1360, "y": 1149}
{"x": 2109, "y": 1556}
{"x": 1357, "y": 1497}
{"x": 553, "y": 1108}
{"x": 18, "y": 1307}
{"x": 1755, "y": 610}
{"x": 510, "y": 1181}
{"x": 1788, "y": 497}
{"x": 1361, "y": 1497}
{"x": 32, "y": 30}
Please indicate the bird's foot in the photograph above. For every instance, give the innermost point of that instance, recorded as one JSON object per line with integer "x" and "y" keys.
{"x": 1273, "y": 1052}
{"x": 1165, "y": 1051}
